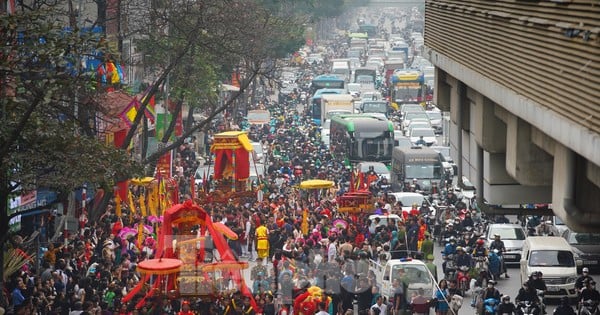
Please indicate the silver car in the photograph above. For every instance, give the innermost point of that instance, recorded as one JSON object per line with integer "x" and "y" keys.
{"x": 513, "y": 237}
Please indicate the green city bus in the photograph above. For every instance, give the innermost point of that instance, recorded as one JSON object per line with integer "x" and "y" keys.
{"x": 361, "y": 137}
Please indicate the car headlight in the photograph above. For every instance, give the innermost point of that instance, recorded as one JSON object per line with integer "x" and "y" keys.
{"x": 571, "y": 280}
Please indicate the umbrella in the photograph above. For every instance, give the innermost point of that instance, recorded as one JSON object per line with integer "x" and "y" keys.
{"x": 161, "y": 266}
{"x": 224, "y": 266}
{"x": 147, "y": 228}
{"x": 340, "y": 224}
{"x": 223, "y": 229}
{"x": 126, "y": 232}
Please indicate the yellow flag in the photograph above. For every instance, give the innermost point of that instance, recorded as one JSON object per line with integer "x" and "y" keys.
{"x": 140, "y": 236}
{"x": 304, "y": 225}
{"x": 131, "y": 203}
{"x": 163, "y": 197}
{"x": 142, "y": 201}
{"x": 118, "y": 205}
{"x": 152, "y": 201}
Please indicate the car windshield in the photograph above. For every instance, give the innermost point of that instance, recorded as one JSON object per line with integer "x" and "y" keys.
{"x": 584, "y": 238}
{"x": 259, "y": 116}
{"x": 378, "y": 168}
{"x": 434, "y": 115}
{"x": 422, "y": 171}
{"x": 377, "y": 107}
{"x": 414, "y": 115}
{"x": 508, "y": 233}
{"x": 418, "y": 132}
{"x": 411, "y": 273}
{"x": 411, "y": 108}
{"x": 407, "y": 201}
{"x": 551, "y": 258}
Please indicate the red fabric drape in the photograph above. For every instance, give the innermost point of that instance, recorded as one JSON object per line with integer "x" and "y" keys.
{"x": 242, "y": 164}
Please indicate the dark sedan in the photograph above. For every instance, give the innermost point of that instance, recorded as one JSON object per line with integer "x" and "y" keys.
{"x": 586, "y": 247}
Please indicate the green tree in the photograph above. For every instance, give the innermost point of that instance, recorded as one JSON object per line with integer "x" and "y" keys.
{"x": 47, "y": 108}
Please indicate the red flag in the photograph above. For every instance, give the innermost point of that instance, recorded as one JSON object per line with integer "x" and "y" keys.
{"x": 193, "y": 187}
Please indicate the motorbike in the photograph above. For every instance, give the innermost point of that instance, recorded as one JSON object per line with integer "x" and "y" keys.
{"x": 490, "y": 305}
{"x": 495, "y": 265}
{"x": 463, "y": 279}
{"x": 527, "y": 308}
{"x": 450, "y": 272}
{"x": 481, "y": 264}
{"x": 588, "y": 307}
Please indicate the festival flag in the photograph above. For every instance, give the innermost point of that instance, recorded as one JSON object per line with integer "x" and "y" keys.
{"x": 304, "y": 225}
{"x": 142, "y": 201}
{"x": 192, "y": 187}
{"x": 131, "y": 203}
{"x": 140, "y": 235}
{"x": 150, "y": 111}
{"x": 153, "y": 201}
{"x": 11, "y": 6}
{"x": 130, "y": 111}
{"x": 118, "y": 205}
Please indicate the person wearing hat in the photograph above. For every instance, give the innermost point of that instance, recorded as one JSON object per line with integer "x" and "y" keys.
{"x": 427, "y": 245}
{"x": 491, "y": 291}
{"x": 585, "y": 275}
{"x": 260, "y": 285}
{"x": 431, "y": 266}
{"x": 527, "y": 294}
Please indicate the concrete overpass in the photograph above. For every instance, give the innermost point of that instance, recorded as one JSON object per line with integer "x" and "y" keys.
{"x": 386, "y": 3}
{"x": 521, "y": 80}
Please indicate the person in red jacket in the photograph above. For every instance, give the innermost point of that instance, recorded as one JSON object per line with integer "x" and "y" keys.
{"x": 185, "y": 308}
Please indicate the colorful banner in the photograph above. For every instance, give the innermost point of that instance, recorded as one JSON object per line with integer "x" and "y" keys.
{"x": 164, "y": 165}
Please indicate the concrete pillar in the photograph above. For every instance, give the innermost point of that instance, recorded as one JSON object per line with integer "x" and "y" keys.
{"x": 441, "y": 90}
{"x": 489, "y": 130}
{"x": 526, "y": 162}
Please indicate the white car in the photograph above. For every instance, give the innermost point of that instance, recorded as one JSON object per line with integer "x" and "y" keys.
{"x": 413, "y": 115}
{"x": 417, "y": 123}
{"x": 435, "y": 118}
{"x": 407, "y": 199}
{"x": 427, "y": 134}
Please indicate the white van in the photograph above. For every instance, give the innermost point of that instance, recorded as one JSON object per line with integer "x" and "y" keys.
{"x": 554, "y": 257}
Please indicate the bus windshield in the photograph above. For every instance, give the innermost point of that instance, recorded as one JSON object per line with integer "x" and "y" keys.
{"x": 407, "y": 93}
{"x": 420, "y": 171}
{"x": 370, "y": 148}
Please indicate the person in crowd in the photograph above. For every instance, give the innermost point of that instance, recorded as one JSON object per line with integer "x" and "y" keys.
{"x": 585, "y": 275}
{"x": 499, "y": 245}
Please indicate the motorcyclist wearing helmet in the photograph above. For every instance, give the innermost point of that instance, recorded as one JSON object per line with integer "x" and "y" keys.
{"x": 527, "y": 294}
{"x": 449, "y": 232}
{"x": 499, "y": 245}
{"x": 480, "y": 250}
{"x": 491, "y": 292}
{"x": 564, "y": 308}
{"x": 536, "y": 281}
{"x": 585, "y": 275}
{"x": 468, "y": 220}
{"x": 590, "y": 292}
{"x": 462, "y": 259}
{"x": 506, "y": 307}
{"x": 449, "y": 251}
